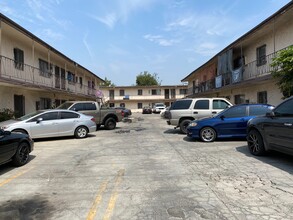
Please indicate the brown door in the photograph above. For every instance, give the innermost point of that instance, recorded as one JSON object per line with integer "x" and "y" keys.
{"x": 19, "y": 103}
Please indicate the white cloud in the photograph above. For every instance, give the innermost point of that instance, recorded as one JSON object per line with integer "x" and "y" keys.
{"x": 161, "y": 40}
{"x": 109, "y": 19}
{"x": 87, "y": 46}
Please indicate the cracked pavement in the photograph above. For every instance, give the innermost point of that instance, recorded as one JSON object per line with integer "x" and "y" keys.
{"x": 144, "y": 169}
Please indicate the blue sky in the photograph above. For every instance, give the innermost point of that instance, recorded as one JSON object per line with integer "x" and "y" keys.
{"x": 119, "y": 39}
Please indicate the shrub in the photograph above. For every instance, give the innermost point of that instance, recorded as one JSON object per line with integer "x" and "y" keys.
{"x": 6, "y": 114}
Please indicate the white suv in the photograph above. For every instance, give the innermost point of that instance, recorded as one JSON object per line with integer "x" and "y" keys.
{"x": 158, "y": 107}
{"x": 183, "y": 111}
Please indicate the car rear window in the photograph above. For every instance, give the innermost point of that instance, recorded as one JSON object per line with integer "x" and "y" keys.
{"x": 182, "y": 104}
{"x": 256, "y": 110}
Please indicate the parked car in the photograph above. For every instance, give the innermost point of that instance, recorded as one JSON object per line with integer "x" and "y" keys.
{"x": 15, "y": 147}
{"x": 52, "y": 123}
{"x": 106, "y": 116}
{"x": 125, "y": 111}
{"x": 230, "y": 123}
{"x": 147, "y": 110}
{"x": 274, "y": 131}
{"x": 163, "y": 112}
{"x": 158, "y": 107}
{"x": 183, "y": 111}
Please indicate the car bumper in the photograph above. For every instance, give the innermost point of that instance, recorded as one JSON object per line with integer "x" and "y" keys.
{"x": 92, "y": 128}
{"x": 193, "y": 133}
{"x": 32, "y": 144}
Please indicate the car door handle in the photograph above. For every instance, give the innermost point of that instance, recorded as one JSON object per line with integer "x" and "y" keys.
{"x": 288, "y": 124}
{"x": 214, "y": 112}
{"x": 195, "y": 112}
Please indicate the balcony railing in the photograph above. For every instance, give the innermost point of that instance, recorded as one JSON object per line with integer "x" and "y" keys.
{"x": 247, "y": 72}
{"x": 30, "y": 76}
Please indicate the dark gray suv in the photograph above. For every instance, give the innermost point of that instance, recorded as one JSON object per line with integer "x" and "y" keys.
{"x": 273, "y": 131}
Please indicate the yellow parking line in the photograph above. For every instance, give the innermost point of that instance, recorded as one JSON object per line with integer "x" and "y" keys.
{"x": 114, "y": 195}
{"x": 93, "y": 210}
{"x": 14, "y": 177}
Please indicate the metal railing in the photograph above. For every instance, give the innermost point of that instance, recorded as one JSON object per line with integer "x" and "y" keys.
{"x": 250, "y": 71}
{"x": 28, "y": 75}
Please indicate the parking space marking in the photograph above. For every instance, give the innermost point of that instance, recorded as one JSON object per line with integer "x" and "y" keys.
{"x": 114, "y": 195}
{"x": 14, "y": 177}
{"x": 94, "y": 208}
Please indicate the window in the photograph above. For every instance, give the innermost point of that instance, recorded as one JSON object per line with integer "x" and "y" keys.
{"x": 202, "y": 104}
{"x": 45, "y": 103}
{"x": 285, "y": 109}
{"x": 235, "y": 112}
{"x": 139, "y": 105}
{"x": 83, "y": 107}
{"x": 139, "y": 92}
{"x": 255, "y": 110}
{"x": 66, "y": 115}
{"x": 183, "y": 91}
{"x": 18, "y": 58}
{"x": 220, "y": 104}
{"x": 111, "y": 105}
{"x": 46, "y": 116}
{"x": 44, "y": 68}
{"x": 122, "y": 105}
{"x": 182, "y": 104}
{"x": 121, "y": 92}
{"x": 239, "y": 99}
{"x": 156, "y": 92}
{"x": 261, "y": 58}
{"x": 262, "y": 97}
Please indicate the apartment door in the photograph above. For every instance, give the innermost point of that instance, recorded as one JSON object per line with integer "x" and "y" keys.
{"x": 173, "y": 93}
{"x": 167, "y": 93}
{"x": 57, "y": 77}
{"x": 62, "y": 78}
{"x": 111, "y": 94}
{"x": 19, "y": 105}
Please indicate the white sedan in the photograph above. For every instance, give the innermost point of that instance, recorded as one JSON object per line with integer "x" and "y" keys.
{"x": 52, "y": 123}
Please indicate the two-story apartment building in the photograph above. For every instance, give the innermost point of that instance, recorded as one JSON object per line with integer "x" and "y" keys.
{"x": 136, "y": 97}
{"x": 34, "y": 75}
{"x": 242, "y": 71}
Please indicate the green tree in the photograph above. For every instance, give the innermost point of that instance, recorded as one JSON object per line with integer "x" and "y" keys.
{"x": 107, "y": 83}
{"x": 147, "y": 79}
{"x": 283, "y": 70}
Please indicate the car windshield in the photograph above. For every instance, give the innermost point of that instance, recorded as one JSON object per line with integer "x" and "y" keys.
{"x": 25, "y": 117}
{"x": 65, "y": 105}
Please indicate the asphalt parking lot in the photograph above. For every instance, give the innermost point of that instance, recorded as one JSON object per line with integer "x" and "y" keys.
{"x": 144, "y": 169}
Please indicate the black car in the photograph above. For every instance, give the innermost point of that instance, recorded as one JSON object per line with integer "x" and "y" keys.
{"x": 273, "y": 131}
{"x": 147, "y": 110}
{"x": 125, "y": 111}
{"x": 15, "y": 147}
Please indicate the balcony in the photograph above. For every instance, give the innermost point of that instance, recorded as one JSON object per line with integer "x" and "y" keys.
{"x": 29, "y": 76}
{"x": 248, "y": 72}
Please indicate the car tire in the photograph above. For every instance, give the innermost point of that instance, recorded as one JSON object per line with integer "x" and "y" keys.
{"x": 110, "y": 124}
{"x": 183, "y": 125}
{"x": 21, "y": 156}
{"x": 208, "y": 134}
{"x": 255, "y": 143}
{"x": 81, "y": 132}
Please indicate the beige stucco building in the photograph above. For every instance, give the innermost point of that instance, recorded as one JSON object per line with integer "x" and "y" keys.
{"x": 136, "y": 97}
{"x": 34, "y": 75}
{"x": 242, "y": 71}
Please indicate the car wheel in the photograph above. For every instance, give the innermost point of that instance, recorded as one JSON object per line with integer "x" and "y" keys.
{"x": 110, "y": 124}
{"x": 183, "y": 125}
{"x": 22, "y": 154}
{"x": 81, "y": 132}
{"x": 208, "y": 134}
{"x": 255, "y": 143}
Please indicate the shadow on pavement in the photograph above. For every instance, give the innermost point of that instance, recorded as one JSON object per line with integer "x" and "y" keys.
{"x": 274, "y": 158}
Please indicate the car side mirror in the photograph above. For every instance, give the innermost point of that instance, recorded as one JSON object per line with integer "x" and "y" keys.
{"x": 270, "y": 114}
{"x": 222, "y": 117}
{"x": 39, "y": 120}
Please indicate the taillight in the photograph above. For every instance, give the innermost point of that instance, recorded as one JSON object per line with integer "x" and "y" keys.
{"x": 93, "y": 119}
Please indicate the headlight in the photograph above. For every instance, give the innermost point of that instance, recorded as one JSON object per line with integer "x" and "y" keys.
{"x": 193, "y": 124}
